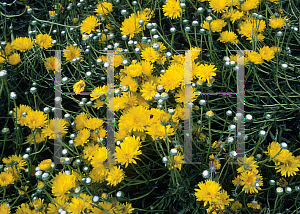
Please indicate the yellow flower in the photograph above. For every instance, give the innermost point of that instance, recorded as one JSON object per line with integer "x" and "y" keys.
{"x": 148, "y": 90}
{"x": 177, "y": 161}
{"x": 44, "y": 41}
{"x": 17, "y": 159}
{"x": 56, "y": 128}
{"x": 219, "y": 6}
{"x": 205, "y": 72}
{"x": 89, "y": 24}
{"x": 159, "y": 131}
{"x": 172, "y": 9}
{"x": 39, "y": 138}
{"x": 99, "y": 156}
{"x": 62, "y": 183}
{"x": 45, "y": 164}
{"x": 18, "y": 113}
{"x": 14, "y": 59}
{"x": 82, "y": 137}
{"x": 228, "y": 36}
{"x": 248, "y": 178}
{"x": 98, "y": 92}
{"x": 38, "y": 204}
{"x": 180, "y": 95}
{"x": 6, "y": 179}
{"x": 115, "y": 176}
{"x": 249, "y": 5}
{"x": 236, "y": 15}
{"x": 23, "y": 209}
{"x": 235, "y": 206}
{"x": 79, "y": 87}
{"x": 173, "y": 77}
{"x": 254, "y": 57}
{"x": 253, "y": 205}
{"x": 223, "y": 199}
{"x": 277, "y": 23}
{"x": 207, "y": 191}
{"x": 4, "y": 208}
{"x": 8, "y": 49}
{"x": 128, "y": 151}
{"x": 22, "y": 44}
{"x": 266, "y": 53}
{"x": 80, "y": 121}
{"x": 249, "y": 165}
{"x": 71, "y": 52}
{"x": 103, "y": 8}
{"x": 80, "y": 204}
{"x": 289, "y": 164}
{"x": 215, "y": 25}
{"x": 149, "y": 54}
{"x": 35, "y": 119}
{"x": 134, "y": 70}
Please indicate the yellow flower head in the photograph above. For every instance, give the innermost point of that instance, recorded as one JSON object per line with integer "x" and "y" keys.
{"x": 115, "y": 176}
{"x": 14, "y": 59}
{"x": 207, "y": 191}
{"x": 215, "y": 25}
{"x": 98, "y": 92}
{"x": 79, "y": 87}
{"x": 219, "y": 6}
{"x": 35, "y": 119}
{"x": 235, "y": 206}
{"x": 103, "y": 8}
{"x": 289, "y": 164}
{"x": 205, "y": 72}
{"x": 253, "y": 205}
{"x": 277, "y": 23}
{"x": 50, "y": 64}
{"x": 71, "y": 52}
{"x": 173, "y": 77}
{"x": 45, "y": 165}
{"x": 18, "y": 113}
{"x": 62, "y": 183}
{"x": 82, "y": 137}
{"x": 266, "y": 53}
{"x": 5, "y": 208}
{"x": 172, "y": 9}
{"x": 254, "y": 57}
{"x": 89, "y": 24}
{"x": 149, "y": 54}
{"x": 22, "y": 44}
{"x": 6, "y": 179}
{"x": 23, "y": 209}
{"x": 228, "y": 36}
{"x": 56, "y": 128}
{"x": 44, "y": 41}
{"x": 80, "y": 204}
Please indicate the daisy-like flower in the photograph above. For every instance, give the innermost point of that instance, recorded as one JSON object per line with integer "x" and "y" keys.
{"x": 99, "y": 156}
{"x": 266, "y": 53}
{"x": 173, "y": 77}
{"x": 103, "y": 8}
{"x": 254, "y": 57}
{"x": 45, "y": 164}
{"x": 23, "y": 209}
{"x": 35, "y": 119}
{"x": 5, "y": 208}
{"x": 98, "y": 92}
{"x": 228, "y": 36}
{"x": 80, "y": 204}
{"x": 115, "y": 176}
{"x": 71, "y": 52}
{"x": 159, "y": 131}
{"x": 248, "y": 178}
{"x": 274, "y": 150}
{"x": 79, "y": 87}
{"x": 14, "y": 59}
{"x": 215, "y": 25}
{"x": 172, "y": 9}
{"x": 38, "y": 204}
{"x": 62, "y": 183}
{"x": 249, "y": 165}
{"x": 44, "y": 41}
{"x": 148, "y": 90}
{"x": 207, "y": 191}
{"x": 236, "y": 205}
{"x": 236, "y": 15}
{"x": 82, "y": 137}
{"x": 253, "y": 205}
{"x": 134, "y": 70}
{"x": 99, "y": 173}
{"x": 219, "y": 6}
{"x": 205, "y": 72}
{"x": 7, "y": 50}
{"x": 175, "y": 161}
{"x": 135, "y": 119}
{"x": 56, "y": 128}
{"x": 289, "y": 164}
{"x": 180, "y": 95}
{"x": 249, "y": 5}
{"x": 89, "y": 24}
{"x": 18, "y": 113}
{"x": 81, "y": 120}
{"x": 223, "y": 199}
{"x": 6, "y": 179}
{"x": 50, "y": 63}
{"x": 149, "y": 54}
{"x": 277, "y": 23}
{"x": 22, "y": 44}
{"x": 128, "y": 151}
